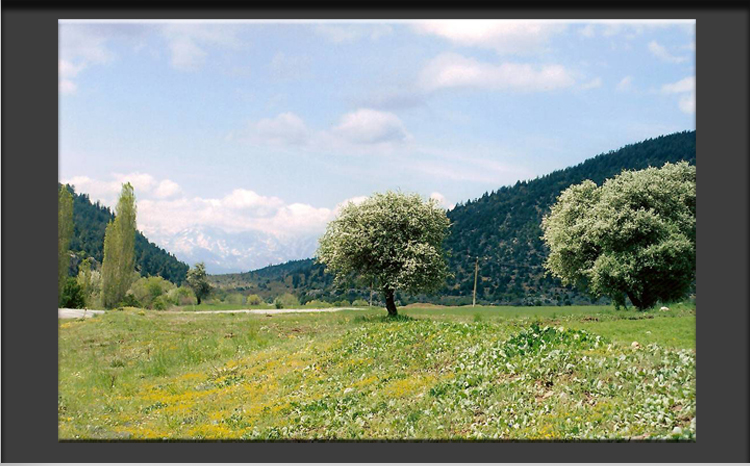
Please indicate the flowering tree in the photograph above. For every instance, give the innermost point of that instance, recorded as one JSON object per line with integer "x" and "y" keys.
{"x": 393, "y": 240}
{"x": 633, "y": 236}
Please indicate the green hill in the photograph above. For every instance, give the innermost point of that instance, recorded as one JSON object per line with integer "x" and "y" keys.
{"x": 90, "y": 220}
{"x": 501, "y": 228}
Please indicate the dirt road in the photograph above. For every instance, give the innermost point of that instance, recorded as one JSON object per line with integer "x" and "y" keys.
{"x": 77, "y": 313}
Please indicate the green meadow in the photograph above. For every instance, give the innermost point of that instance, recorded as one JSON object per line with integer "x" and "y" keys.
{"x": 442, "y": 373}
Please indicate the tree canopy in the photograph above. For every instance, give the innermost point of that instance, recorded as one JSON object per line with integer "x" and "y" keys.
{"x": 119, "y": 250}
{"x": 64, "y": 233}
{"x": 633, "y": 236}
{"x": 393, "y": 240}
{"x": 198, "y": 281}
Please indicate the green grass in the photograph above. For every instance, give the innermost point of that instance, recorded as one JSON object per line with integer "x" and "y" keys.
{"x": 433, "y": 373}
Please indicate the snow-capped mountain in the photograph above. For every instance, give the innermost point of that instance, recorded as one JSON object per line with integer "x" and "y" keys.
{"x": 225, "y": 252}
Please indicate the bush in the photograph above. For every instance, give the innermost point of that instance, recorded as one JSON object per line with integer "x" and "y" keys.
{"x": 235, "y": 298}
{"x": 342, "y": 303}
{"x": 253, "y": 300}
{"x": 72, "y": 296}
{"x": 129, "y": 301}
{"x": 286, "y": 301}
{"x": 161, "y": 303}
{"x": 360, "y": 303}
{"x": 182, "y": 296}
{"x": 318, "y": 304}
{"x": 146, "y": 290}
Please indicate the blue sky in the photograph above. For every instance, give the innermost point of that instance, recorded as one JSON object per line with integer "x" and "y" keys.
{"x": 266, "y": 127}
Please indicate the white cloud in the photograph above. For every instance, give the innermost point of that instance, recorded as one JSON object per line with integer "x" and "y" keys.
{"x": 164, "y": 210}
{"x": 687, "y": 103}
{"x": 187, "y": 42}
{"x": 503, "y": 36}
{"x": 107, "y": 191}
{"x": 284, "y": 129}
{"x": 593, "y": 84}
{"x": 288, "y": 67}
{"x": 167, "y": 188}
{"x": 625, "y": 84}
{"x": 441, "y": 200}
{"x": 244, "y": 199}
{"x": 587, "y": 31}
{"x": 141, "y": 182}
{"x": 660, "y": 52}
{"x": 683, "y": 85}
{"x": 362, "y": 131}
{"x": 81, "y": 45}
{"x": 66, "y": 69}
{"x": 686, "y": 89}
{"x": 65, "y": 86}
{"x": 341, "y": 33}
{"x": 367, "y": 126}
{"x": 453, "y": 70}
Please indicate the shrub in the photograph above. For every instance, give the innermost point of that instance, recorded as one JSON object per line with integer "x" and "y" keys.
{"x": 317, "y": 304}
{"x": 286, "y": 301}
{"x": 72, "y": 295}
{"x": 161, "y": 303}
{"x": 360, "y": 303}
{"x": 146, "y": 290}
{"x": 129, "y": 301}
{"x": 182, "y": 296}
{"x": 253, "y": 300}
{"x": 342, "y": 303}
{"x": 235, "y": 298}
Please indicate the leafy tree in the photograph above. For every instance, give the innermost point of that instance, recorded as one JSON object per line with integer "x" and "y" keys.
{"x": 72, "y": 296}
{"x": 89, "y": 281}
{"x": 633, "y": 236}
{"x": 64, "y": 234}
{"x": 198, "y": 281}
{"x": 119, "y": 250}
{"x": 394, "y": 240}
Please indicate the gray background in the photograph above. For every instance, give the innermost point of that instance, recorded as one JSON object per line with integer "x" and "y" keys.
{"x": 29, "y": 326}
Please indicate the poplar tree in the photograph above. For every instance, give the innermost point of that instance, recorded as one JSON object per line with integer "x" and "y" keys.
{"x": 119, "y": 250}
{"x": 64, "y": 234}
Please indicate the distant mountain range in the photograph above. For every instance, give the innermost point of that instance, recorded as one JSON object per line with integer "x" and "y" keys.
{"x": 225, "y": 252}
{"x": 501, "y": 228}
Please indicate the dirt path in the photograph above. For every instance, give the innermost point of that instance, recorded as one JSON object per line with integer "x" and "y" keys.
{"x": 77, "y": 313}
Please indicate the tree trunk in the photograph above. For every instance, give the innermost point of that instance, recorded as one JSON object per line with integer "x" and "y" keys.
{"x": 199, "y": 299}
{"x": 390, "y": 303}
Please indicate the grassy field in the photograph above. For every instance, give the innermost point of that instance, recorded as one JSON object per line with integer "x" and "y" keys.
{"x": 436, "y": 373}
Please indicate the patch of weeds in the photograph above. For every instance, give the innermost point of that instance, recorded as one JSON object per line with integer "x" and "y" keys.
{"x": 384, "y": 319}
{"x": 225, "y": 377}
{"x": 537, "y": 338}
{"x": 155, "y": 406}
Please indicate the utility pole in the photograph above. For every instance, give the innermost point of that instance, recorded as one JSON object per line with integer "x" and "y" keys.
{"x": 476, "y": 272}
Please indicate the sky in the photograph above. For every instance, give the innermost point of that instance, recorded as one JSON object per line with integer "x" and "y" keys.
{"x": 244, "y": 137}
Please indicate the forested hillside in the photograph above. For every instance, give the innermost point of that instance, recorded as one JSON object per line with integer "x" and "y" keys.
{"x": 90, "y": 220}
{"x": 501, "y": 229}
